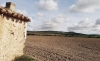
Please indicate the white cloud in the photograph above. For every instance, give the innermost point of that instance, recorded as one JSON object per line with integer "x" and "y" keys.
{"x": 3, "y": 4}
{"x": 40, "y": 14}
{"x": 82, "y": 25}
{"x": 96, "y": 28}
{"x": 59, "y": 19}
{"x": 97, "y": 22}
{"x": 30, "y": 25}
{"x": 49, "y": 5}
{"x": 86, "y": 6}
{"x": 24, "y": 12}
{"x": 54, "y": 23}
{"x": 86, "y": 26}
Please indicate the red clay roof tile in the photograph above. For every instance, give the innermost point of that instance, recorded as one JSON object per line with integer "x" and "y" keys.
{"x": 9, "y": 13}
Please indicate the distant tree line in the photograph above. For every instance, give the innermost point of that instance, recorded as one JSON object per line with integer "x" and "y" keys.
{"x": 59, "y": 33}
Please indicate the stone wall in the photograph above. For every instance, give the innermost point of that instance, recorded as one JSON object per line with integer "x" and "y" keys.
{"x": 12, "y": 38}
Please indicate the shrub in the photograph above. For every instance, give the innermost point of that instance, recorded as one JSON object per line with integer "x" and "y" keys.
{"x": 24, "y": 58}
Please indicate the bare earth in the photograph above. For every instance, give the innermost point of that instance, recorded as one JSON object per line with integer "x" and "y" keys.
{"x": 54, "y": 48}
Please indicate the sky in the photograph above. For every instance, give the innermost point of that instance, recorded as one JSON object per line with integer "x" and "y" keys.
{"x": 82, "y": 16}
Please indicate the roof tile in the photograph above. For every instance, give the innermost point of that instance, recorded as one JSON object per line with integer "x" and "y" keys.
{"x": 10, "y": 13}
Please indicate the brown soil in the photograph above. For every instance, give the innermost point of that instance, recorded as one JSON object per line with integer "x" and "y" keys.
{"x": 53, "y": 48}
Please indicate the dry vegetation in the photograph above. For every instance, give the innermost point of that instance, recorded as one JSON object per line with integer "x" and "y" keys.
{"x": 54, "y": 48}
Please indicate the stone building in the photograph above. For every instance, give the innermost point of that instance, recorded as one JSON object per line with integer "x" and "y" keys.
{"x": 12, "y": 32}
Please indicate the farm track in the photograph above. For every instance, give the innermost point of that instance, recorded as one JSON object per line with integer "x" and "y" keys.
{"x": 53, "y": 48}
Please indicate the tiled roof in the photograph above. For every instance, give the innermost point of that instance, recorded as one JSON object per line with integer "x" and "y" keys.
{"x": 10, "y": 13}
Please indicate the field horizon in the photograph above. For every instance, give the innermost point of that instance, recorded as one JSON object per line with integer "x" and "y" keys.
{"x": 61, "y": 33}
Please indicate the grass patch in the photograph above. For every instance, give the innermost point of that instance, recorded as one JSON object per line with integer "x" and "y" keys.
{"x": 24, "y": 58}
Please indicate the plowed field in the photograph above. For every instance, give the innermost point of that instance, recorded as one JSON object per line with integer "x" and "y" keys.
{"x": 54, "y": 48}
